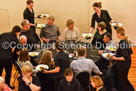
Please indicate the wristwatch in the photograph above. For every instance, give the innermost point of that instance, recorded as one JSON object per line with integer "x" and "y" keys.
{"x": 29, "y": 83}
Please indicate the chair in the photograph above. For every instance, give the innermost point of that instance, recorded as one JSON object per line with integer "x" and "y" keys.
{"x": 18, "y": 71}
{"x": 84, "y": 79}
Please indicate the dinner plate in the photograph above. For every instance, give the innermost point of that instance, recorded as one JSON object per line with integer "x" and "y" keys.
{"x": 87, "y": 35}
{"x": 108, "y": 55}
{"x": 33, "y": 54}
{"x": 41, "y": 67}
{"x": 111, "y": 48}
{"x": 71, "y": 55}
{"x": 117, "y": 24}
{"x": 40, "y": 25}
{"x": 44, "y": 15}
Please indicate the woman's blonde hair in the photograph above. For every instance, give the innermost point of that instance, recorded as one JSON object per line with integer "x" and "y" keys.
{"x": 46, "y": 58}
{"x": 121, "y": 31}
{"x": 69, "y": 22}
{"x": 98, "y": 81}
{"x": 26, "y": 69}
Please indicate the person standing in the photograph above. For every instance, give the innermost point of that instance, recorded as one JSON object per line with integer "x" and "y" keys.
{"x": 7, "y": 42}
{"x": 100, "y": 15}
{"x": 123, "y": 61}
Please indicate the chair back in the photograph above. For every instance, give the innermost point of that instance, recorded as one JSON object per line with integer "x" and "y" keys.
{"x": 84, "y": 79}
{"x": 18, "y": 67}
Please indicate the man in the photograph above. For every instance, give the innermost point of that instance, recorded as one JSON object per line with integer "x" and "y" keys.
{"x": 109, "y": 43}
{"x": 50, "y": 33}
{"x": 32, "y": 38}
{"x": 84, "y": 64}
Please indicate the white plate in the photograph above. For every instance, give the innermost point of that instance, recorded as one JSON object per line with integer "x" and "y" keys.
{"x": 71, "y": 55}
{"x": 44, "y": 15}
{"x": 40, "y": 25}
{"x": 33, "y": 54}
{"x": 87, "y": 35}
{"x": 117, "y": 24}
{"x": 111, "y": 48}
{"x": 105, "y": 55}
{"x": 42, "y": 65}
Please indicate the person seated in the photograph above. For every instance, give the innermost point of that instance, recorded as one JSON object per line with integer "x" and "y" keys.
{"x": 28, "y": 81}
{"x": 47, "y": 80}
{"x": 62, "y": 62}
{"x": 3, "y": 86}
{"x": 97, "y": 83}
{"x": 24, "y": 58}
{"x": 99, "y": 35}
{"x": 50, "y": 33}
{"x": 33, "y": 40}
{"x": 69, "y": 83}
{"x": 109, "y": 43}
{"x": 84, "y": 64}
{"x": 71, "y": 32}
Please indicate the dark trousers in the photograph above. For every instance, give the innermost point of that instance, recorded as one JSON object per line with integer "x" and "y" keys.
{"x": 7, "y": 64}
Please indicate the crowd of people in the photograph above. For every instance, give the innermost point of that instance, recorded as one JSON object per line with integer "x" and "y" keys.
{"x": 61, "y": 75}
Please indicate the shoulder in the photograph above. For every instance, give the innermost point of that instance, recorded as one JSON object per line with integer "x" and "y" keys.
{"x": 55, "y": 26}
{"x": 26, "y": 10}
{"x": 76, "y": 29}
{"x": 66, "y": 29}
{"x": 104, "y": 11}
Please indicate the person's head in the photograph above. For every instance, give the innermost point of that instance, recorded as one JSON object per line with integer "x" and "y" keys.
{"x": 107, "y": 37}
{"x": 16, "y": 30}
{"x": 23, "y": 39}
{"x": 97, "y": 6}
{"x": 68, "y": 73}
{"x": 121, "y": 34}
{"x": 46, "y": 58}
{"x": 70, "y": 24}
{"x": 59, "y": 45}
{"x": 50, "y": 20}
{"x": 26, "y": 71}
{"x": 25, "y": 24}
{"x": 2, "y": 82}
{"x": 96, "y": 81}
{"x": 24, "y": 56}
{"x": 101, "y": 26}
{"x": 81, "y": 52}
{"x": 30, "y": 3}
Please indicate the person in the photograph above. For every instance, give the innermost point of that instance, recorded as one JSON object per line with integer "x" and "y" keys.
{"x": 16, "y": 51}
{"x": 29, "y": 14}
{"x": 104, "y": 62}
{"x": 69, "y": 83}
{"x": 97, "y": 83}
{"x": 50, "y": 33}
{"x": 100, "y": 16}
{"x": 47, "y": 80}
{"x": 71, "y": 32}
{"x": 33, "y": 40}
{"x": 3, "y": 86}
{"x": 83, "y": 64}
{"x": 123, "y": 63}
{"x": 28, "y": 81}
{"x": 62, "y": 62}
{"x": 24, "y": 58}
{"x": 99, "y": 35}
{"x": 7, "y": 42}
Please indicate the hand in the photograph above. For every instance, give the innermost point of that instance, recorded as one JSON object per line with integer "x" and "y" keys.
{"x": 47, "y": 40}
{"x": 25, "y": 80}
{"x": 100, "y": 73}
{"x": 37, "y": 46}
{"x": 100, "y": 52}
{"x": 45, "y": 71}
{"x": 114, "y": 58}
{"x": 39, "y": 16}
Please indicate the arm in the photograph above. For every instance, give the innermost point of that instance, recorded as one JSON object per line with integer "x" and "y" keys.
{"x": 118, "y": 58}
{"x": 56, "y": 70}
{"x": 95, "y": 69}
{"x": 108, "y": 17}
{"x": 42, "y": 36}
{"x": 78, "y": 35}
{"x": 92, "y": 24}
{"x": 58, "y": 34}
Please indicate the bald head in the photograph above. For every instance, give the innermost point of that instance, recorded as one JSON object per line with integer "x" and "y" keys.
{"x": 23, "y": 39}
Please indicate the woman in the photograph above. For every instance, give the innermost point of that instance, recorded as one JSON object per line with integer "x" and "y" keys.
{"x": 24, "y": 58}
{"x": 97, "y": 83}
{"x": 123, "y": 61}
{"x": 28, "y": 82}
{"x": 69, "y": 83}
{"x": 8, "y": 42}
{"x": 47, "y": 80}
{"x": 61, "y": 63}
{"x": 99, "y": 35}
{"x": 101, "y": 15}
{"x": 29, "y": 13}
{"x": 71, "y": 32}
{"x": 3, "y": 86}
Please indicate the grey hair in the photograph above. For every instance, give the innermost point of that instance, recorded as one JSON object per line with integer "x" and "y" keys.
{"x": 24, "y": 22}
{"x": 1, "y": 79}
{"x": 22, "y": 36}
